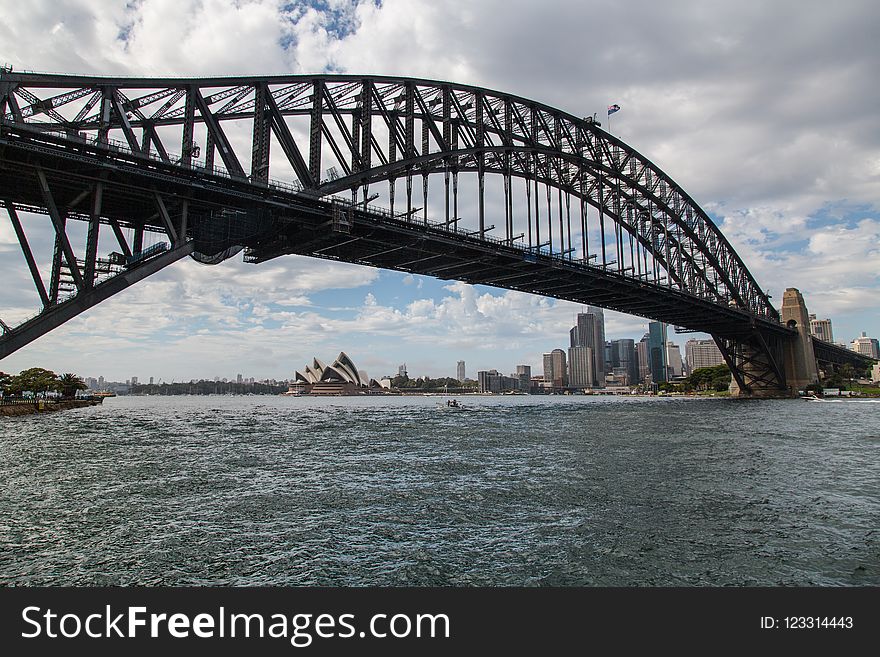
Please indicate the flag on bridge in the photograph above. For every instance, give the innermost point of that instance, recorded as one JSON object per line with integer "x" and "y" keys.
{"x": 612, "y": 109}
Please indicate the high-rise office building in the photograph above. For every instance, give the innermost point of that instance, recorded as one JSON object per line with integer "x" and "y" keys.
{"x": 702, "y": 353}
{"x": 821, "y": 328}
{"x": 459, "y": 371}
{"x": 623, "y": 356}
{"x": 401, "y": 370}
{"x": 555, "y": 369}
{"x": 866, "y": 346}
{"x": 589, "y": 331}
{"x": 657, "y": 359}
{"x": 524, "y": 376}
{"x": 673, "y": 360}
{"x": 643, "y": 356}
{"x": 134, "y": 380}
{"x": 238, "y": 378}
{"x": 581, "y": 369}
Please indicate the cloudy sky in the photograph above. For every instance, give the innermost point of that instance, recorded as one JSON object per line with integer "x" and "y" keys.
{"x": 765, "y": 112}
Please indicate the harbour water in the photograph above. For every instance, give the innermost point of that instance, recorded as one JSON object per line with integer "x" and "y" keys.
{"x": 518, "y": 490}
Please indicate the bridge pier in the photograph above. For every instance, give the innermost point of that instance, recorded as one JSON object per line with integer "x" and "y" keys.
{"x": 799, "y": 357}
{"x": 765, "y": 367}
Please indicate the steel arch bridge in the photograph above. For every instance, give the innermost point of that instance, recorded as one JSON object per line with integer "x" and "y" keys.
{"x": 576, "y": 213}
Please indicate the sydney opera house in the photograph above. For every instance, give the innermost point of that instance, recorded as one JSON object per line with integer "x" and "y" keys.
{"x": 340, "y": 378}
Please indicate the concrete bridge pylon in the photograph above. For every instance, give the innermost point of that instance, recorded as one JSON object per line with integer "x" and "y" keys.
{"x": 799, "y": 358}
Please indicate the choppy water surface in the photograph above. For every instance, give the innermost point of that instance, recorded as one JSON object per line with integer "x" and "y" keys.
{"x": 397, "y": 491}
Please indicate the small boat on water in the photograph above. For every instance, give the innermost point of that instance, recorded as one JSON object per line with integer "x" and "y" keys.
{"x": 451, "y": 404}
{"x": 841, "y": 400}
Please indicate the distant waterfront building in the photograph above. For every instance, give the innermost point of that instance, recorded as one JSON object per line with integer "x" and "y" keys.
{"x": 134, "y": 380}
{"x": 821, "y": 328}
{"x": 524, "y": 376}
{"x": 100, "y": 383}
{"x": 581, "y": 369}
{"x": 643, "y": 357}
{"x": 702, "y": 353}
{"x": 623, "y": 357}
{"x": 460, "y": 371}
{"x": 866, "y": 346}
{"x": 673, "y": 360}
{"x": 492, "y": 381}
{"x": 555, "y": 369}
{"x": 619, "y": 377}
{"x": 339, "y": 378}
{"x": 589, "y": 331}
{"x": 657, "y": 359}
{"x": 875, "y": 373}
{"x": 238, "y": 378}
{"x": 151, "y": 380}
{"x": 401, "y": 370}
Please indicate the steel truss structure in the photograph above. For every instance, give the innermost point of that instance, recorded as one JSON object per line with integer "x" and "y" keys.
{"x": 830, "y": 355}
{"x": 580, "y": 214}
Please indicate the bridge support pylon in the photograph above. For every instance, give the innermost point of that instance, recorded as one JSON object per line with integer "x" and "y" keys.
{"x": 799, "y": 358}
{"x": 766, "y": 365}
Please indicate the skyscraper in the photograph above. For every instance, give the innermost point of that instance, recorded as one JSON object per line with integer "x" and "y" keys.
{"x": 459, "y": 371}
{"x": 643, "y": 353}
{"x": 589, "y": 331}
{"x": 657, "y": 359}
{"x": 673, "y": 360}
{"x": 581, "y": 367}
{"x": 555, "y": 370}
{"x": 524, "y": 375}
{"x": 623, "y": 356}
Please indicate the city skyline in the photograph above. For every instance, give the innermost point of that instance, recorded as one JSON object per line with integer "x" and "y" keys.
{"x": 793, "y": 191}
{"x": 698, "y": 352}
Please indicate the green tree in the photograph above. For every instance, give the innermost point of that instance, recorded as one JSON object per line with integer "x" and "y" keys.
{"x": 36, "y": 380}
{"x": 710, "y": 378}
{"x": 69, "y": 383}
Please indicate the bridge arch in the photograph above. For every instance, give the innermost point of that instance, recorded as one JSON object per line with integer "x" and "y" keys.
{"x": 599, "y": 222}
